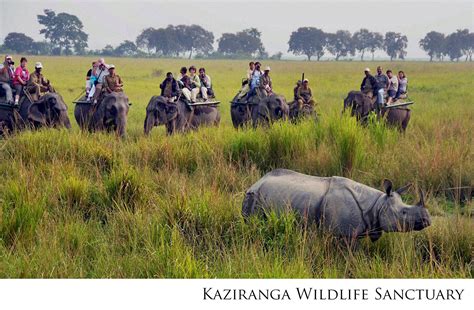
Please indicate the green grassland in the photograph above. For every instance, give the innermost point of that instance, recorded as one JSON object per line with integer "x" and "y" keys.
{"x": 79, "y": 205}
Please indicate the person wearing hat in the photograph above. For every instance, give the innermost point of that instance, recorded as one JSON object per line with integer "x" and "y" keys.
{"x": 369, "y": 84}
{"x": 38, "y": 85}
{"x": 101, "y": 72}
{"x": 22, "y": 76}
{"x": 195, "y": 83}
{"x": 266, "y": 82}
{"x": 7, "y": 73}
{"x": 305, "y": 95}
{"x": 255, "y": 80}
{"x": 112, "y": 81}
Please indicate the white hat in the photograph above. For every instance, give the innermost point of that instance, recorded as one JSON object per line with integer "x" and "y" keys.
{"x": 267, "y": 69}
{"x": 367, "y": 70}
{"x": 111, "y": 66}
{"x": 38, "y": 65}
{"x": 8, "y": 57}
{"x": 305, "y": 80}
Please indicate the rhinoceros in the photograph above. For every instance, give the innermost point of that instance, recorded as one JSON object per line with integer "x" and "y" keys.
{"x": 344, "y": 207}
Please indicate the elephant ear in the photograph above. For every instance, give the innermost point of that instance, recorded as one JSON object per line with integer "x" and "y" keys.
{"x": 36, "y": 112}
{"x": 264, "y": 107}
{"x": 171, "y": 110}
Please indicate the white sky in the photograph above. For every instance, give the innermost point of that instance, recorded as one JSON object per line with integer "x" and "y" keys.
{"x": 111, "y": 22}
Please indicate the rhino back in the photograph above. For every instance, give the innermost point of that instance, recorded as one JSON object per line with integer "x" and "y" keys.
{"x": 283, "y": 189}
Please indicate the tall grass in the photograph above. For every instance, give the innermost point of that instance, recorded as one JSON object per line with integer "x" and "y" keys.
{"x": 89, "y": 205}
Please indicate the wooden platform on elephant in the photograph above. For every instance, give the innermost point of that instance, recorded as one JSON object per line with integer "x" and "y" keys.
{"x": 9, "y": 107}
{"x": 204, "y": 103}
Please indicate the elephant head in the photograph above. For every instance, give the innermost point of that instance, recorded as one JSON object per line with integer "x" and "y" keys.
{"x": 115, "y": 111}
{"x": 50, "y": 110}
{"x": 160, "y": 112}
{"x": 359, "y": 103}
{"x": 270, "y": 109}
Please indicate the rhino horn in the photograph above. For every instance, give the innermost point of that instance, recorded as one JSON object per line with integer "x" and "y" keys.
{"x": 421, "y": 203}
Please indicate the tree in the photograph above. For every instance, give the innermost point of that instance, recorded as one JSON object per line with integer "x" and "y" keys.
{"x": 64, "y": 31}
{"x": 126, "y": 48}
{"x": 375, "y": 43}
{"x": 454, "y": 45}
{"x": 276, "y": 56}
{"x": 245, "y": 43}
{"x": 144, "y": 40}
{"x": 41, "y": 48}
{"x": 18, "y": 42}
{"x": 433, "y": 44}
{"x": 466, "y": 42}
{"x": 195, "y": 38}
{"x": 470, "y": 40}
{"x": 108, "y": 50}
{"x": 309, "y": 41}
{"x": 362, "y": 41}
{"x": 395, "y": 45}
{"x": 340, "y": 44}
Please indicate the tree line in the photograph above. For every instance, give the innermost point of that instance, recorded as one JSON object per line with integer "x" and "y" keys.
{"x": 64, "y": 35}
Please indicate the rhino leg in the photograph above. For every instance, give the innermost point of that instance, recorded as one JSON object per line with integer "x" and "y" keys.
{"x": 248, "y": 205}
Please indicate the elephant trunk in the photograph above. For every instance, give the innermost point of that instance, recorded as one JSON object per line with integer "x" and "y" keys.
{"x": 121, "y": 126}
{"x": 150, "y": 121}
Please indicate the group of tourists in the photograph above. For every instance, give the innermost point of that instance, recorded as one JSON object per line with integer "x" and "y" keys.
{"x": 382, "y": 85}
{"x": 258, "y": 82}
{"x": 20, "y": 82}
{"x": 100, "y": 79}
{"x": 190, "y": 86}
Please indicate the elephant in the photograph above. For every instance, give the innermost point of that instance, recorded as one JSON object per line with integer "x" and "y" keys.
{"x": 262, "y": 111}
{"x": 109, "y": 114}
{"x": 49, "y": 111}
{"x": 178, "y": 116}
{"x": 306, "y": 111}
{"x": 361, "y": 105}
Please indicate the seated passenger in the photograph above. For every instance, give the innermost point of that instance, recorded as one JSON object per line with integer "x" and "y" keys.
{"x": 246, "y": 85}
{"x": 305, "y": 95}
{"x": 185, "y": 84}
{"x": 295, "y": 90}
{"x": 369, "y": 84}
{"x": 101, "y": 72}
{"x": 7, "y": 73}
{"x": 392, "y": 87}
{"x": 90, "y": 91}
{"x": 88, "y": 79}
{"x": 112, "y": 81}
{"x": 255, "y": 80}
{"x": 206, "y": 86}
{"x": 22, "y": 76}
{"x": 169, "y": 87}
{"x": 402, "y": 85}
{"x": 266, "y": 82}
{"x": 38, "y": 85}
{"x": 195, "y": 83}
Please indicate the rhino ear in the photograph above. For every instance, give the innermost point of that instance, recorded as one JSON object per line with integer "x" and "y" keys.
{"x": 403, "y": 189}
{"x": 387, "y": 186}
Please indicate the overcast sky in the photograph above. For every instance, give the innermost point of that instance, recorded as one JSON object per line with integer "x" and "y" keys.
{"x": 111, "y": 22}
